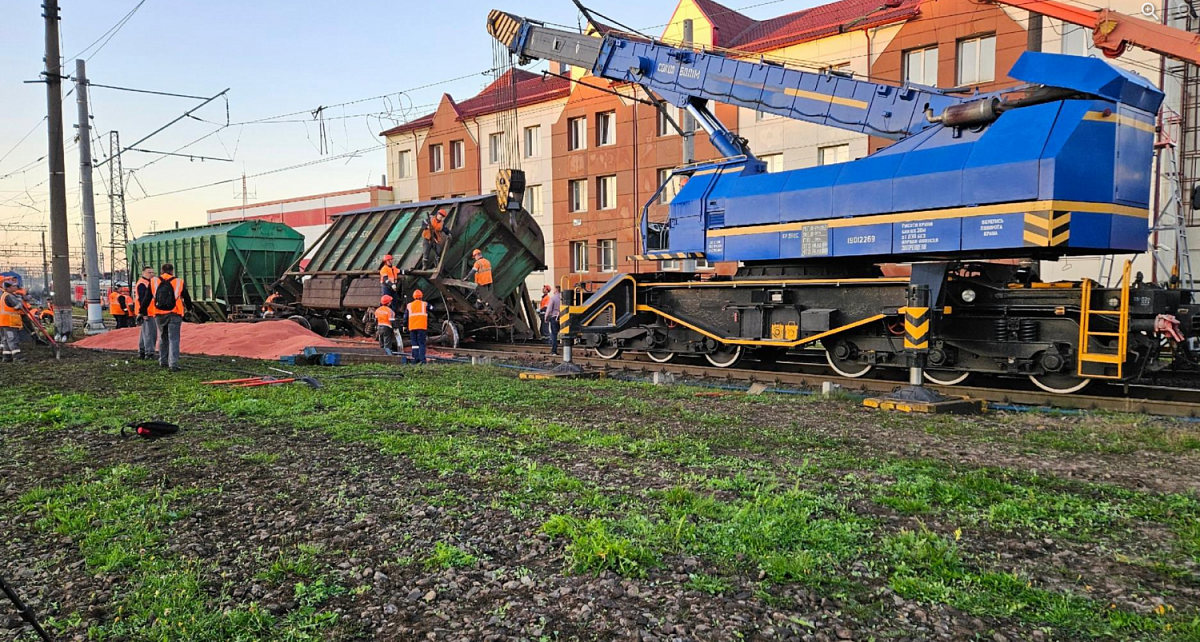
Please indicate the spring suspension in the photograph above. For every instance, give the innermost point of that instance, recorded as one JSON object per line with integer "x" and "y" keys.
{"x": 1028, "y": 330}
{"x": 1001, "y": 329}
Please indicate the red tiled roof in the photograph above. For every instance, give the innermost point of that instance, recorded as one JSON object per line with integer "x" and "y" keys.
{"x": 531, "y": 89}
{"x": 736, "y": 31}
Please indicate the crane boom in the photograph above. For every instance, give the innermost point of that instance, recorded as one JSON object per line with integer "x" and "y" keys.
{"x": 690, "y": 79}
{"x": 1113, "y": 32}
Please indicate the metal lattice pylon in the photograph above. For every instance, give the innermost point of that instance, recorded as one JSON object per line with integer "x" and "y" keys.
{"x": 118, "y": 223}
{"x": 1168, "y": 234}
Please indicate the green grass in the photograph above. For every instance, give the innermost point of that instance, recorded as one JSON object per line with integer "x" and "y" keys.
{"x": 264, "y": 459}
{"x": 448, "y": 556}
{"x": 117, "y": 516}
{"x": 300, "y": 562}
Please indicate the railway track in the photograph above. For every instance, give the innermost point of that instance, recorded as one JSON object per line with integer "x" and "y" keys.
{"x": 1147, "y": 399}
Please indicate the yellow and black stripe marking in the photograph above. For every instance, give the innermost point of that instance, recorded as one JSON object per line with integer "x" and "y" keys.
{"x": 668, "y": 256}
{"x": 503, "y": 27}
{"x": 916, "y": 328}
{"x": 1047, "y": 229}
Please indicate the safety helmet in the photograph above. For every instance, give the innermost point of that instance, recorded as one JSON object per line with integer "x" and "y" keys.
{"x": 477, "y": 252}
{"x": 387, "y": 257}
{"x": 417, "y": 294}
{"x": 386, "y": 299}
{"x": 441, "y": 213}
{"x": 545, "y": 288}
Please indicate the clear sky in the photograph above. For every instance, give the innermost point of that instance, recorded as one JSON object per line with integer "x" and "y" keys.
{"x": 275, "y": 57}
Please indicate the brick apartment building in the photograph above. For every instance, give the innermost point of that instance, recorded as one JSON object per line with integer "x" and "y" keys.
{"x": 600, "y": 153}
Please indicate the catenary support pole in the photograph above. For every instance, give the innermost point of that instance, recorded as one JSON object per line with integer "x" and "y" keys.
{"x": 95, "y": 312}
{"x": 59, "y": 239}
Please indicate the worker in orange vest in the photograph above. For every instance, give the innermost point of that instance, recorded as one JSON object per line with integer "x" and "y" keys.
{"x": 148, "y": 338}
{"x": 119, "y": 306}
{"x": 417, "y": 319}
{"x": 267, "y": 310}
{"x": 542, "y": 307}
{"x": 434, "y": 237}
{"x": 11, "y": 307}
{"x": 389, "y": 282}
{"x": 167, "y": 306}
{"x": 385, "y": 325}
{"x": 482, "y": 271}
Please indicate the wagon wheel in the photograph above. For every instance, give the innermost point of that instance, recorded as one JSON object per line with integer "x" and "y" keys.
{"x": 1059, "y": 384}
{"x": 607, "y": 353}
{"x": 946, "y": 377}
{"x": 724, "y": 356}
{"x": 660, "y": 357}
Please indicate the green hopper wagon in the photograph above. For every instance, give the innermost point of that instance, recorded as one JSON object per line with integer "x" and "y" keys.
{"x": 338, "y": 287}
{"x": 228, "y": 268}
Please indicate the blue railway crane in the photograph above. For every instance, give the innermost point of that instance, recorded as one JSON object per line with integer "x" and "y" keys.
{"x": 1060, "y": 166}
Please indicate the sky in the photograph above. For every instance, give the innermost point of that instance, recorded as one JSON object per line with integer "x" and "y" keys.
{"x": 280, "y": 61}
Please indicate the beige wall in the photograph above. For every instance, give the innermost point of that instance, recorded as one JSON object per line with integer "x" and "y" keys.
{"x": 404, "y": 190}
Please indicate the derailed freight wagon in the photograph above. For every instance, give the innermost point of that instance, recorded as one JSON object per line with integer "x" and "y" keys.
{"x": 228, "y": 267}
{"x": 338, "y": 288}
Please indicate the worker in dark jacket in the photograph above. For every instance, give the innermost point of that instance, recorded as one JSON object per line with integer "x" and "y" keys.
{"x": 148, "y": 339}
{"x": 167, "y": 306}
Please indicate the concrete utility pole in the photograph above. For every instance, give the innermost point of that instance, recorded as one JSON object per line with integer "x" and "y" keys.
{"x": 688, "y": 123}
{"x": 59, "y": 243}
{"x": 45, "y": 265}
{"x": 91, "y": 260}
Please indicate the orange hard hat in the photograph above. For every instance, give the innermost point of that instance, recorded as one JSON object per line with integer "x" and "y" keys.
{"x": 417, "y": 294}
{"x": 545, "y": 288}
{"x": 476, "y": 251}
{"x": 441, "y": 213}
{"x": 385, "y": 299}
{"x": 387, "y": 257}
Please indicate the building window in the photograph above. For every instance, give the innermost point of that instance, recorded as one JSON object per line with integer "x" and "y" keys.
{"x": 577, "y": 195}
{"x": 921, "y": 66}
{"x": 774, "y": 162}
{"x": 607, "y": 250}
{"x": 669, "y": 266}
{"x": 402, "y": 161}
{"x": 606, "y": 192}
{"x": 833, "y": 154}
{"x": 456, "y": 154}
{"x": 577, "y": 133}
{"x": 579, "y": 257}
{"x": 665, "y": 115}
{"x": 533, "y": 199}
{"x": 533, "y": 141}
{"x": 672, "y": 188}
{"x": 495, "y": 147}
{"x": 977, "y": 60}
{"x": 435, "y": 158}
{"x": 762, "y": 115}
{"x": 703, "y": 264}
{"x": 606, "y": 128}
{"x": 1077, "y": 41}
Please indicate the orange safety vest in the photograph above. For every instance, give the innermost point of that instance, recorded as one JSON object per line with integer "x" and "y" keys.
{"x": 114, "y": 304}
{"x": 10, "y": 317}
{"x": 177, "y": 284}
{"x": 545, "y": 302}
{"x": 274, "y": 296}
{"x": 389, "y": 273}
{"x": 384, "y": 316}
{"x": 418, "y": 315}
{"x": 434, "y": 231}
{"x": 137, "y": 302}
{"x": 483, "y": 272}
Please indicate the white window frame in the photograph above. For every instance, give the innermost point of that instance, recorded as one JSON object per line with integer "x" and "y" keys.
{"x": 435, "y": 158}
{"x": 606, "y": 128}
{"x": 664, "y": 124}
{"x": 671, "y": 190}
{"x": 982, "y": 72}
{"x": 533, "y": 199}
{"x": 403, "y": 158}
{"x": 577, "y": 195}
{"x": 671, "y": 265}
{"x": 606, "y": 192}
{"x": 842, "y": 150}
{"x": 579, "y": 256}
{"x": 924, "y": 56}
{"x": 457, "y": 154}
{"x": 495, "y": 147}
{"x": 774, "y": 162}
{"x": 576, "y": 133}
{"x": 533, "y": 142}
{"x": 609, "y": 247}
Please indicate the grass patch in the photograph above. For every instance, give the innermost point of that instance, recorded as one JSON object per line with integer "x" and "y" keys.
{"x": 448, "y": 556}
{"x": 263, "y": 459}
